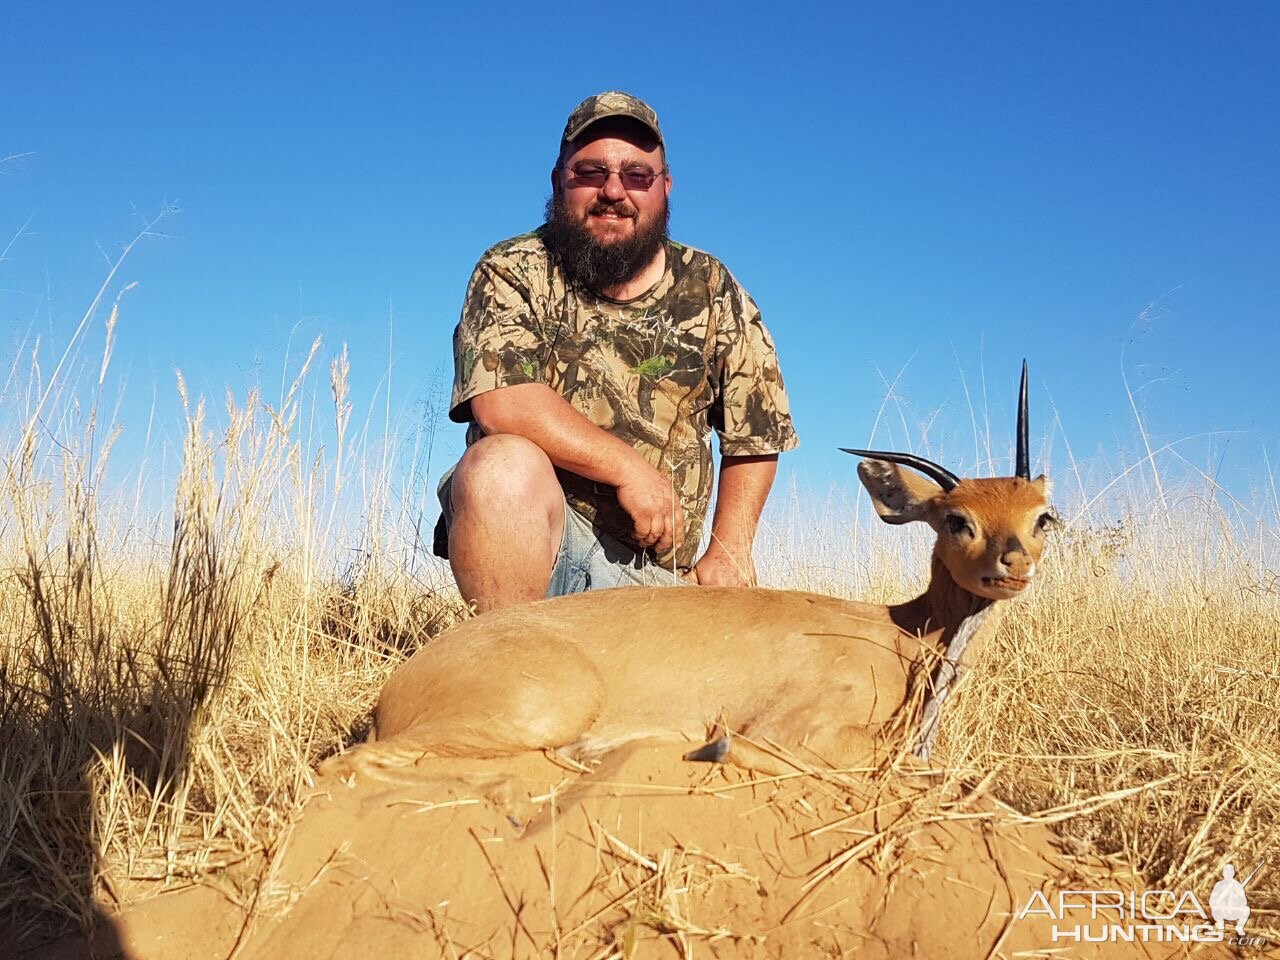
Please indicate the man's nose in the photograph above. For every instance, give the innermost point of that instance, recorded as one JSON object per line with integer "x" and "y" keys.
{"x": 613, "y": 189}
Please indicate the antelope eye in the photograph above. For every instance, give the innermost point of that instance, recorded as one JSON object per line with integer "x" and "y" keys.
{"x": 1047, "y": 521}
{"x": 957, "y": 525}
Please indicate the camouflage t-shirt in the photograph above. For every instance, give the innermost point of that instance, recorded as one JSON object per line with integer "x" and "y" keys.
{"x": 659, "y": 371}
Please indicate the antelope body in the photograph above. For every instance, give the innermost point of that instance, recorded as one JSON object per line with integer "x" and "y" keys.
{"x": 813, "y": 674}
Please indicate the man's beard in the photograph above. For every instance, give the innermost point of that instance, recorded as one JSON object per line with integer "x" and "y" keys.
{"x": 592, "y": 265}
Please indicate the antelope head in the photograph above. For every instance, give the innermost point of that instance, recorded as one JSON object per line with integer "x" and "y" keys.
{"x": 991, "y": 532}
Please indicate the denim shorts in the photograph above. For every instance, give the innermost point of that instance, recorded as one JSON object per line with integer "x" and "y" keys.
{"x": 589, "y": 558}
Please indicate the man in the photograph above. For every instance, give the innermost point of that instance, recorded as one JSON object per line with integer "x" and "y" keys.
{"x": 592, "y": 359}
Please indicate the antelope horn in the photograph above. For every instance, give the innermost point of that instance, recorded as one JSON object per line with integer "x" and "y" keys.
{"x": 945, "y": 478}
{"x": 1024, "y": 464}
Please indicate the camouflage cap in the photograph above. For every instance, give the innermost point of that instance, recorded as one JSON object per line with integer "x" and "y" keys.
{"x": 612, "y": 103}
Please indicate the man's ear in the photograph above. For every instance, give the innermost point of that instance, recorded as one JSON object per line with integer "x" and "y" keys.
{"x": 899, "y": 495}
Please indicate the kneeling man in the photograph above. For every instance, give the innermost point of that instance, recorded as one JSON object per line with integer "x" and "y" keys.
{"x": 593, "y": 359}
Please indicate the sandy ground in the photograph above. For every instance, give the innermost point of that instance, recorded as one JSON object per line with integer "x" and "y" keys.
{"x": 644, "y": 856}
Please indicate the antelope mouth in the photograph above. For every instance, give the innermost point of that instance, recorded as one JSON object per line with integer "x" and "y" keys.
{"x": 1006, "y": 583}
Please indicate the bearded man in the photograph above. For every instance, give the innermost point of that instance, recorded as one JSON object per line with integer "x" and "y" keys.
{"x": 593, "y": 358}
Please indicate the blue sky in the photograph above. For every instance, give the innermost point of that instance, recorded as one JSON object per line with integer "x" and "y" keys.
{"x": 945, "y": 187}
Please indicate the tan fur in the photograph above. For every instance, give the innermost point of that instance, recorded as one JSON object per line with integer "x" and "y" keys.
{"x": 812, "y": 674}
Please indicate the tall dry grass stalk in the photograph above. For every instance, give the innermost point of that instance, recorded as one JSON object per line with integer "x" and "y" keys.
{"x": 167, "y": 687}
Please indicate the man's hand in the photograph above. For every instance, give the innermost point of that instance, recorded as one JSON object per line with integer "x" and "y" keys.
{"x": 658, "y": 518}
{"x": 720, "y": 568}
{"x": 537, "y": 413}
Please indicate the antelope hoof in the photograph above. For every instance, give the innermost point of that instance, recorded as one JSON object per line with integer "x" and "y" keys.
{"x": 713, "y": 752}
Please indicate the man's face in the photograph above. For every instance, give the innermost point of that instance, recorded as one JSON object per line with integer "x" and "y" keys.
{"x": 606, "y": 233}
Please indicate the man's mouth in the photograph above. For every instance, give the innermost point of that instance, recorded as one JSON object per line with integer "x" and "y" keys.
{"x": 611, "y": 214}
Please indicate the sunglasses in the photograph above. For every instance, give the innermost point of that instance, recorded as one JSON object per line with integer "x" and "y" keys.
{"x": 596, "y": 176}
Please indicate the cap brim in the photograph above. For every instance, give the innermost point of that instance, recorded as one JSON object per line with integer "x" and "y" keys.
{"x": 581, "y": 128}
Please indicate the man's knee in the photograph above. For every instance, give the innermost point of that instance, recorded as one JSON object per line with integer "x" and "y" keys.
{"x": 504, "y": 471}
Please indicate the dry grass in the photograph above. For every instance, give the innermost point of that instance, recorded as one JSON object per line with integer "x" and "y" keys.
{"x": 166, "y": 689}
{"x": 167, "y": 681}
{"x": 1136, "y": 690}
{"x": 1149, "y": 655}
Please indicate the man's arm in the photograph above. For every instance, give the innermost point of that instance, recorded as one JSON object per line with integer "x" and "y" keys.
{"x": 744, "y": 487}
{"x": 572, "y": 442}
{"x": 755, "y": 426}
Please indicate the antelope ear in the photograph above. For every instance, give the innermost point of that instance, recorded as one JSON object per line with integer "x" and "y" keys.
{"x": 1044, "y": 485}
{"x": 900, "y": 495}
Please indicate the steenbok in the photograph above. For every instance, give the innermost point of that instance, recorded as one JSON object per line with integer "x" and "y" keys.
{"x": 752, "y": 673}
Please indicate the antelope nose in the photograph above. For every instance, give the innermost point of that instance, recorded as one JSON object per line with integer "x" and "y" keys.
{"x": 1015, "y": 558}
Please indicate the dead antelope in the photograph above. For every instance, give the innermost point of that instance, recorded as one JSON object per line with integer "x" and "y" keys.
{"x": 582, "y": 674}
